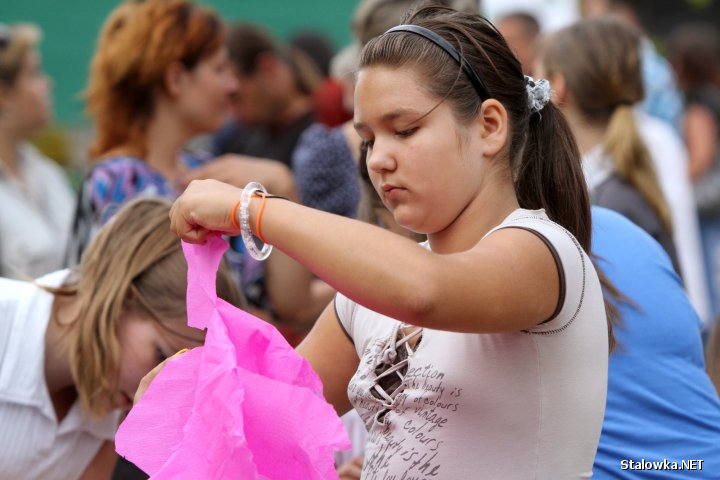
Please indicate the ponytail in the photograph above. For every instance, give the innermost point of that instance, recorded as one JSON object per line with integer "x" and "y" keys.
{"x": 632, "y": 161}
{"x": 549, "y": 174}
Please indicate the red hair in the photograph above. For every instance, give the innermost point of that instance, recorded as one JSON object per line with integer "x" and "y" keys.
{"x": 138, "y": 42}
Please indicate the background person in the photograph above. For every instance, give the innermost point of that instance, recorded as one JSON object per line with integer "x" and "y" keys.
{"x": 36, "y": 198}
{"x": 79, "y": 341}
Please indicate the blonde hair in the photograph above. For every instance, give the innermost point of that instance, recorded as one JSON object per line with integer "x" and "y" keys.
{"x": 599, "y": 58}
{"x": 22, "y": 38}
{"x": 138, "y": 42}
{"x": 134, "y": 264}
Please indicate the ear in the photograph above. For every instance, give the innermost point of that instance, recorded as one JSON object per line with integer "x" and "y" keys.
{"x": 558, "y": 85}
{"x": 175, "y": 77}
{"x": 493, "y": 124}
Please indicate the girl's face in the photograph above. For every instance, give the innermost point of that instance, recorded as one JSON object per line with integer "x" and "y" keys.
{"x": 144, "y": 344}
{"x": 205, "y": 92}
{"x": 425, "y": 166}
{"x": 27, "y": 106}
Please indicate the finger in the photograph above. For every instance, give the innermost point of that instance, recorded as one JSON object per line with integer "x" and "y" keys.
{"x": 147, "y": 379}
{"x": 197, "y": 235}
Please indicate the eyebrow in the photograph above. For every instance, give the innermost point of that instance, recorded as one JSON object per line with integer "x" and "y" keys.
{"x": 390, "y": 116}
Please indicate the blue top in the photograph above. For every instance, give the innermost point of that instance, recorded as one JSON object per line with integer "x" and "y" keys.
{"x": 326, "y": 175}
{"x": 661, "y": 405}
{"x": 109, "y": 185}
{"x": 663, "y": 99}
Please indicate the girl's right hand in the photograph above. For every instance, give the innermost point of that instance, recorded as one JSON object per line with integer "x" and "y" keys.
{"x": 205, "y": 207}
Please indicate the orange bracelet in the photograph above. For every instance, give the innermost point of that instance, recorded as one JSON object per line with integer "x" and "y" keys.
{"x": 258, "y": 220}
{"x": 233, "y": 215}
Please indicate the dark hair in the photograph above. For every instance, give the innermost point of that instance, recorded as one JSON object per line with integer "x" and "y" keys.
{"x": 694, "y": 51}
{"x": 544, "y": 157}
{"x": 246, "y": 42}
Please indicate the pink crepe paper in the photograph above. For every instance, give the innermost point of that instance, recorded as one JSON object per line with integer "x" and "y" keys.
{"x": 244, "y": 406}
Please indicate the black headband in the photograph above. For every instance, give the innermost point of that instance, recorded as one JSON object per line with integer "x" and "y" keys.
{"x": 452, "y": 51}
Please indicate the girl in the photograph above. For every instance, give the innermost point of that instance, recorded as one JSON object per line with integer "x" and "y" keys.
{"x": 483, "y": 352}
{"x": 76, "y": 344}
{"x": 34, "y": 191}
{"x": 595, "y": 71}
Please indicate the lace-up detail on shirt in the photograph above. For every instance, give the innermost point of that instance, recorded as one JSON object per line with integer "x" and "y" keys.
{"x": 393, "y": 365}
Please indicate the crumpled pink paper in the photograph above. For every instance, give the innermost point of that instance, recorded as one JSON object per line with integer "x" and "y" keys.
{"x": 243, "y": 406}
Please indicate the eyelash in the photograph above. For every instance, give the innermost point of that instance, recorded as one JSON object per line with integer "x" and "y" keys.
{"x": 367, "y": 144}
{"x": 406, "y": 133}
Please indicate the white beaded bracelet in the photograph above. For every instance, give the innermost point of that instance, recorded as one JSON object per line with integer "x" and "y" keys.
{"x": 245, "y": 231}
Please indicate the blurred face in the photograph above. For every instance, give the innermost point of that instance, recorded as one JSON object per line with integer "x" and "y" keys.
{"x": 205, "y": 92}
{"x": 424, "y": 164}
{"x": 591, "y": 8}
{"x": 520, "y": 44}
{"x": 144, "y": 344}
{"x": 260, "y": 100}
{"x": 27, "y": 106}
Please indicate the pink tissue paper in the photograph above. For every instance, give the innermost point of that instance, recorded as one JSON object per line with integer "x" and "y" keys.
{"x": 243, "y": 406}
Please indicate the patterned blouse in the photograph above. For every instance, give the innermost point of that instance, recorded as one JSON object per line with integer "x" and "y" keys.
{"x": 117, "y": 180}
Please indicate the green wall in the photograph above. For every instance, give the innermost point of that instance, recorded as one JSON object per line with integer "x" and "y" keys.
{"x": 70, "y": 29}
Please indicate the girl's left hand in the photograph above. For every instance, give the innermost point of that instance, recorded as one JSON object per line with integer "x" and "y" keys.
{"x": 205, "y": 207}
{"x": 147, "y": 379}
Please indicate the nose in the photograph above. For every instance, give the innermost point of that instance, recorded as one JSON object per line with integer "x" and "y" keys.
{"x": 380, "y": 158}
{"x": 232, "y": 84}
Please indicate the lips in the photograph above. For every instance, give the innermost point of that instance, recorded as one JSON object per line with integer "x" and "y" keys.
{"x": 391, "y": 192}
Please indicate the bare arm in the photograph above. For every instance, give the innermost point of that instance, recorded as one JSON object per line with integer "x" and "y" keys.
{"x": 701, "y": 133}
{"x": 472, "y": 291}
{"x": 239, "y": 170}
{"x": 333, "y": 358}
{"x": 297, "y": 296}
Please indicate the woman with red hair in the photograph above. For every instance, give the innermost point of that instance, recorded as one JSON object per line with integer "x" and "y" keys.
{"x": 160, "y": 76}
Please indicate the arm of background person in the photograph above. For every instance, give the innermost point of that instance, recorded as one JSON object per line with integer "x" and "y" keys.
{"x": 701, "y": 133}
{"x": 101, "y": 467}
{"x": 239, "y": 170}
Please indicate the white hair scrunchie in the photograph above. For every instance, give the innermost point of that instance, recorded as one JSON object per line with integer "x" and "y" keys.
{"x": 538, "y": 92}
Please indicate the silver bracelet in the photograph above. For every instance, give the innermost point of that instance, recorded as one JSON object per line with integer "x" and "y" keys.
{"x": 248, "y": 238}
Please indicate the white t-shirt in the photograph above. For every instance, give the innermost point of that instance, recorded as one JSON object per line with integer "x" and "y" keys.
{"x": 519, "y": 405}
{"x": 35, "y": 217}
{"x": 32, "y": 443}
{"x": 669, "y": 157}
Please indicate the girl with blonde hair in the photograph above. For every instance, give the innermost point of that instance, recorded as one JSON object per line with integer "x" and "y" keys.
{"x": 76, "y": 344}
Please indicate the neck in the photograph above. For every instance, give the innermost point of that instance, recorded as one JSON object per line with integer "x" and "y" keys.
{"x": 495, "y": 201}
{"x": 167, "y": 134}
{"x": 587, "y": 135}
{"x": 10, "y": 152}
